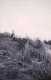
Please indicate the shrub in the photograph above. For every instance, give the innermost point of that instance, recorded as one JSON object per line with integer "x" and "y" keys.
{"x": 37, "y": 43}
{"x": 21, "y": 43}
{"x": 49, "y": 42}
{"x": 45, "y": 41}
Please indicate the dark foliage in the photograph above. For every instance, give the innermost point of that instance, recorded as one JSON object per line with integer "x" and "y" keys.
{"x": 47, "y": 42}
{"x": 21, "y": 43}
{"x": 23, "y": 59}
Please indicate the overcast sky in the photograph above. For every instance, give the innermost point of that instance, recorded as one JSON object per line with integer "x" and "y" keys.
{"x": 26, "y": 17}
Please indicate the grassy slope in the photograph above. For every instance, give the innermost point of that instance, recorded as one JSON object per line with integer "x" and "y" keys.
{"x": 28, "y": 63}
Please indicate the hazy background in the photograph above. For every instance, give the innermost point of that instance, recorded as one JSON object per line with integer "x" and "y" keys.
{"x": 26, "y": 17}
